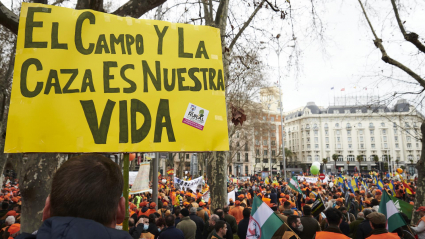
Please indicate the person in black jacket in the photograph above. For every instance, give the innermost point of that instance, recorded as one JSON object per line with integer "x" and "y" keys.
{"x": 198, "y": 221}
{"x": 273, "y": 196}
{"x": 364, "y": 229}
{"x": 229, "y": 233}
{"x": 83, "y": 204}
{"x": 243, "y": 224}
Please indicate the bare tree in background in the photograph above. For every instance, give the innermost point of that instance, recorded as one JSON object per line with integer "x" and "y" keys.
{"x": 415, "y": 80}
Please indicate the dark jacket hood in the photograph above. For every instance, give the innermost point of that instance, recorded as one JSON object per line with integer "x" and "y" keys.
{"x": 75, "y": 228}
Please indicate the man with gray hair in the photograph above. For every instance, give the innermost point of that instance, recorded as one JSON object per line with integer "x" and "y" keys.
{"x": 355, "y": 225}
{"x": 364, "y": 229}
{"x": 209, "y": 226}
{"x": 199, "y": 222}
{"x": 10, "y": 220}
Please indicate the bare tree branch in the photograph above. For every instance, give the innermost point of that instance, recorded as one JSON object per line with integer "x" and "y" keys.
{"x": 245, "y": 25}
{"x": 8, "y": 19}
{"x": 219, "y": 14}
{"x": 410, "y": 37}
{"x": 136, "y": 8}
{"x": 96, "y": 5}
{"x": 58, "y": 2}
{"x": 40, "y": 1}
{"x": 386, "y": 58}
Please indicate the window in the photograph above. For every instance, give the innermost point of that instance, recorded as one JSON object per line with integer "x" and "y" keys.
{"x": 264, "y": 142}
{"x": 340, "y": 158}
{"x": 349, "y": 139}
{"x": 326, "y": 125}
{"x": 336, "y": 111}
{"x": 309, "y": 158}
{"x": 360, "y": 125}
{"x": 362, "y": 146}
{"x": 348, "y": 132}
{"x": 257, "y": 142}
{"x": 409, "y": 145}
{"x": 238, "y": 156}
{"x": 316, "y": 146}
{"x": 394, "y": 125}
{"x": 417, "y": 145}
{"x": 338, "y": 139}
{"x": 326, "y": 132}
{"x": 246, "y": 157}
{"x": 372, "y": 131}
{"x": 373, "y": 146}
{"x": 272, "y": 119}
{"x": 316, "y": 158}
{"x": 257, "y": 160}
{"x": 338, "y": 132}
{"x": 382, "y": 124}
{"x": 187, "y": 156}
{"x": 372, "y": 139}
{"x": 408, "y": 138}
{"x": 350, "y": 158}
{"x": 327, "y": 139}
{"x": 370, "y": 124}
{"x": 274, "y": 134}
{"x": 396, "y": 145}
{"x": 385, "y": 145}
{"x": 350, "y": 146}
{"x": 396, "y": 138}
{"x": 337, "y": 125}
{"x": 347, "y": 112}
{"x": 316, "y": 140}
{"x": 246, "y": 169}
{"x": 395, "y": 131}
{"x": 273, "y": 142}
{"x": 360, "y": 132}
{"x": 338, "y": 146}
{"x": 316, "y": 133}
{"x": 308, "y": 140}
{"x": 384, "y": 138}
{"x": 256, "y": 132}
{"x": 384, "y": 131}
{"x": 308, "y": 146}
{"x": 257, "y": 152}
{"x": 273, "y": 153}
{"x": 327, "y": 146}
{"x": 358, "y": 111}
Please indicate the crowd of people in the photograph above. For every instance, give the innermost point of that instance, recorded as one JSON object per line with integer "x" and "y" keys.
{"x": 86, "y": 201}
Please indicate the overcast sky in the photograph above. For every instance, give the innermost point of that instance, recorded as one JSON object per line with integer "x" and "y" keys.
{"x": 348, "y": 59}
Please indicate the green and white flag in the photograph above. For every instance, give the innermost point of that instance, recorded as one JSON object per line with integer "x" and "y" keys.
{"x": 263, "y": 223}
{"x": 394, "y": 218}
{"x": 293, "y": 183}
{"x": 403, "y": 207}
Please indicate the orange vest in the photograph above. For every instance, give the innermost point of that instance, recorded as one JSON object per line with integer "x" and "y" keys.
{"x": 333, "y": 235}
{"x": 384, "y": 235}
{"x": 237, "y": 213}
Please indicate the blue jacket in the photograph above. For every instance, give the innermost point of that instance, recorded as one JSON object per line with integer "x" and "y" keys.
{"x": 171, "y": 233}
{"x": 74, "y": 228}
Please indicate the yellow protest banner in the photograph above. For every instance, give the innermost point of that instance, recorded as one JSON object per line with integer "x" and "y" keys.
{"x": 86, "y": 81}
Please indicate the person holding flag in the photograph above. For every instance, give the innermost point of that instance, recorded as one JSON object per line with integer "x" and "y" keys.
{"x": 420, "y": 228}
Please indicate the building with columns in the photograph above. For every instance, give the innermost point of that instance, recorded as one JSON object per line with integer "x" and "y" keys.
{"x": 352, "y": 132}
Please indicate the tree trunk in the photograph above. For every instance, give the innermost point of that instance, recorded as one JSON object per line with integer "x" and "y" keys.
{"x": 201, "y": 163}
{"x": 420, "y": 166}
{"x": 217, "y": 179}
{"x": 35, "y": 183}
{"x": 181, "y": 166}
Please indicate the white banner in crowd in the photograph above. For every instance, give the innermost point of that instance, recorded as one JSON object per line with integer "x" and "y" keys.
{"x": 192, "y": 184}
{"x": 231, "y": 195}
{"x": 311, "y": 179}
{"x": 141, "y": 183}
{"x": 206, "y": 196}
{"x": 132, "y": 177}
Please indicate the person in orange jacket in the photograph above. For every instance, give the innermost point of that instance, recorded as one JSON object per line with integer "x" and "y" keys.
{"x": 333, "y": 218}
{"x": 237, "y": 211}
{"x": 378, "y": 222}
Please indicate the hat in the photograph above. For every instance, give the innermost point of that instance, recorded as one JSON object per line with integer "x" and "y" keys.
{"x": 152, "y": 205}
{"x": 164, "y": 204}
{"x": 185, "y": 203}
{"x": 307, "y": 199}
{"x": 287, "y": 196}
{"x": 339, "y": 200}
{"x": 421, "y": 209}
{"x": 230, "y": 199}
{"x": 367, "y": 202}
{"x": 351, "y": 195}
{"x": 201, "y": 204}
{"x": 142, "y": 204}
{"x": 184, "y": 212}
{"x": 237, "y": 202}
{"x": 378, "y": 192}
{"x": 282, "y": 195}
{"x": 241, "y": 196}
{"x": 11, "y": 213}
{"x": 377, "y": 218}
